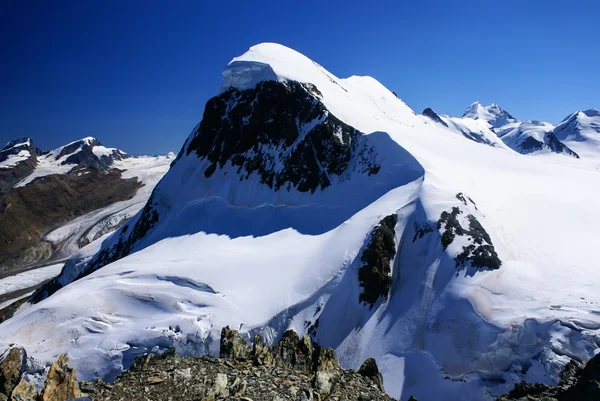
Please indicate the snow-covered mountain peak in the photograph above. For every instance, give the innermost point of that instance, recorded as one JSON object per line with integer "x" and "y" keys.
{"x": 19, "y": 153}
{"x": 581, "y": 131}
{"x": 273, "y": 62}
{"x": 17, "y": 143}
{"x": 493, "y": 114}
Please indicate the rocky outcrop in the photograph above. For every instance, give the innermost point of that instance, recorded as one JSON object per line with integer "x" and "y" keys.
{"x": 25, "y": 391}
{"x": 11, "y": 369}
{"x": 296, "y": 370}
{"x": 232, "y": 344}
{"x": 61, "y": 382}
{"x": 375, "y": 275}
{"x": 577, "y": 383}
{"x": 428, "y": 112}
{"x": 282, "y": 132}
{"x": 557, "y": 146}
{"x": 479, "y": 252}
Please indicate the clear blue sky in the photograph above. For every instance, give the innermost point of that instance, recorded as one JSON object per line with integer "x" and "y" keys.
{"x": 136, "y": 74}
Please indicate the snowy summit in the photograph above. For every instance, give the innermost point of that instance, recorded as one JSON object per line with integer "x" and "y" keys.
{"x": 307, "y": 201}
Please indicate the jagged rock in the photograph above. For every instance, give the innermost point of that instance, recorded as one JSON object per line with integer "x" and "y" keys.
{"x": 11, "y": 369}
{"x": 61, "y": 383}
{"x": 327, "y": 371}
{"x": 172, "y": 377}
{"x": 369, "y": 369}
{"x": 260, "y": 352}
{"x": 24, "y": 391}
{"x": 375, "y": 274}
{"x": 577, "y": 383}
{"x": 233, "y": 345}
{"x": 285, "y": 350}
{"x": 304, "y": 353}
{"x": 479, "y": 252}
{"x": 279, "y": 124}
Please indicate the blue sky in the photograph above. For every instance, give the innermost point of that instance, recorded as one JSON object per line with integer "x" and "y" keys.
{"x": 136, "y": 75}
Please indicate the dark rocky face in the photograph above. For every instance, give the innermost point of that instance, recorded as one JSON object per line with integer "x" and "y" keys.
{"x": 282, "y": 132}
{"x": 557, "y": 146}
{"x": 428, "y": 112}
{"x": 480, "y": 252}
{"x": 375, "y": 274}
{"x": 577, "y": 383}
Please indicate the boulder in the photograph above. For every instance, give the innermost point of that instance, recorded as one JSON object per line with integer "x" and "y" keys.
{"x": 369, "y": 369}
{"x": 61, "y": 382}
{"x": 233, "y": 345}
{"x": 24, "y": 391}
{"x": 11, "y": 369}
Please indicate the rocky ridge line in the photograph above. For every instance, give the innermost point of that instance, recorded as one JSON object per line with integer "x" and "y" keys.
{"x": 293, "y": 369}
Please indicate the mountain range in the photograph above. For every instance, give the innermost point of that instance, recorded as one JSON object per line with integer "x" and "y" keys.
{"x": 52, "y": 203}
{"x": 457, "y": 252}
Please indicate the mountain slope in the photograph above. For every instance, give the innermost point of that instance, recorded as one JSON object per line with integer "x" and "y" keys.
{"x": 51, "y": 189}
{"x": 18, "y": 159}
{"x": 581, "y": 132}
{"x": 346, "y": 216}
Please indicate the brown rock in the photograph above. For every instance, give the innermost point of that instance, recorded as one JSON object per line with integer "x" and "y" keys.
{"x": 232, "y": 344}
{"x": 61, "y": 383}
{"x": 11, "y": 369}
{"x": 24, "y": 391}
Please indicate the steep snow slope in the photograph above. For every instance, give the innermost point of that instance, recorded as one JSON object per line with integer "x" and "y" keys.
{"x": 236, "y": 233}
{"x": 581, "y": 132}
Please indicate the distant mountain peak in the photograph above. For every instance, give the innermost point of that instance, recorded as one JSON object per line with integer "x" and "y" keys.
{"x": 493, "y": 114}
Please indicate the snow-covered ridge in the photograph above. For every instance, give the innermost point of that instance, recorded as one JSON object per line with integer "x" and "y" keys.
{"x": 219, "y": 246}
{"x": 86, "y": 152}
{"x": 15, "y": 152}
{"x": 493, "y": 114}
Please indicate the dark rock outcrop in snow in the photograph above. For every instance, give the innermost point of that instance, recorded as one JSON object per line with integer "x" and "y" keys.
{"x": 577, "y": 383}
{"x": 284, "y": 133}
{"x": 428, "y": 112}
{"x": 555, "y": 145}
{"x": 375, "y": 274}
{"x": 480, "y": 251}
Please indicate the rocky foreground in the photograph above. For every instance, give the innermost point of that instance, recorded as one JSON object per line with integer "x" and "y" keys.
{"x": 294, "y": 369}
